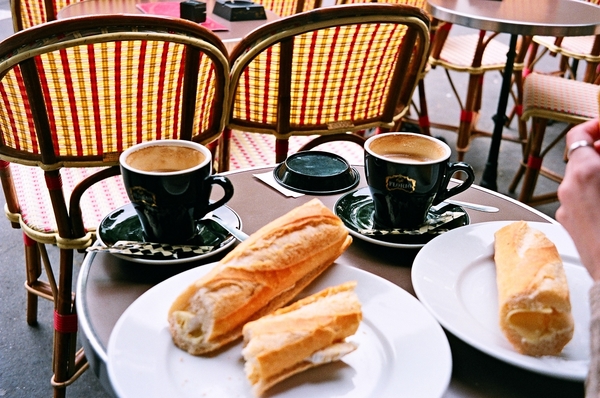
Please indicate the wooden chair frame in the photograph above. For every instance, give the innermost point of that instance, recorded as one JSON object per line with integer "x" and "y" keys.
{"x": 20, "y": 55}
{"x": 564, "y": 108}
{"x": 410, "y": 63}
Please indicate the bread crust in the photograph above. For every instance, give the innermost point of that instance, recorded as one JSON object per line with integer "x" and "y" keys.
{"x": 533, "y": 294}
{"x": 308, "y": 333}
{"x": 261, "y": 274}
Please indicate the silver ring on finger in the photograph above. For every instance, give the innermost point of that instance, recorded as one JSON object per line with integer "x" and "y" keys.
{"x": 576, "y": 145}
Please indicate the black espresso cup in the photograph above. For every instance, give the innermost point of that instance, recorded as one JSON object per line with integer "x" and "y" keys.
{"x": 408, "y": 173}
{"x": 169, "y": 183}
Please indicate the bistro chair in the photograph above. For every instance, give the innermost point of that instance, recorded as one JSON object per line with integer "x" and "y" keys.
{"x": 475, "y": 54}
{"x": 572, "y": 48}
{"x": 74, "y": 94}
{"x": 547, "y": 98}
{"x": 28, "y": 13}
{"x": 326, "y": 72}
{"x": 286, "y": 8}
{"x": 421, "y": 110}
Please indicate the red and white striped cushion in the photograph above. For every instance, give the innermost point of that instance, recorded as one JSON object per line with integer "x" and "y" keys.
{"x": 248, "y": 150}
{"x": 560, "y": 99}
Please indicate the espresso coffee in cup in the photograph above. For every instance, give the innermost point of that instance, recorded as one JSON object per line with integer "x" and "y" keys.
{"x": 408, "y": 173}
{"x": 169, "y": 183}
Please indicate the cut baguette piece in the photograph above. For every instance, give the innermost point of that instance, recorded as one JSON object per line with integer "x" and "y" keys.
{"x": 261, "y": 274}
{"x": 306, "y": 334}
{"x": 533, "y": 294}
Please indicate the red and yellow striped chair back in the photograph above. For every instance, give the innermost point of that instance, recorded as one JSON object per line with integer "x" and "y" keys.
{"x": 75, "y": 93}
{"x": 28, "y": 13}
{"x": 78, "y": 92}
{"x": 285, "y": 8}
{"x": 415, "y": 3}
{"x": 331, "y": 70}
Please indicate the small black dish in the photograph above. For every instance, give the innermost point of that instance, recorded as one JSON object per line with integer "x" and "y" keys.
{"x": 316, "y": 172}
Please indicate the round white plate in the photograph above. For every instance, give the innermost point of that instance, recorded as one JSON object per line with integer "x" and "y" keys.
{"x": 454, "y": 276}
{"x": 402, "y": 352}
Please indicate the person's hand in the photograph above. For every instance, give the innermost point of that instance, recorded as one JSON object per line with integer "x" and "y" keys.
{"x": 579, "y": 195}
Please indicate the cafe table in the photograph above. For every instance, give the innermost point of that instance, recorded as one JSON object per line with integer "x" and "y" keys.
{"x": 231, "y": 33}
{"x": 516, "y": 17}
{"x": 107, "y": 285}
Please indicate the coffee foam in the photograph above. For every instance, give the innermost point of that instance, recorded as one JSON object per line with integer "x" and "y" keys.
{"x": 402, "y": 148}
{"x": 165, "y": 158}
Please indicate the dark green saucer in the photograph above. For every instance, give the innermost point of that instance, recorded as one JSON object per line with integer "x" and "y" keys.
{"x": 356, "y": 211}
{"x": 124, "y": 224}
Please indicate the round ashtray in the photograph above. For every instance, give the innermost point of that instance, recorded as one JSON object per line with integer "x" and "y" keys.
{"x": 316, "y": 172}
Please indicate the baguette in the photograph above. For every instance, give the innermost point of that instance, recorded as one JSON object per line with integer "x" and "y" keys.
{"x": 260, "y": 275}
{"x": 306, "y": 334}
{"x": 535, "y": 308}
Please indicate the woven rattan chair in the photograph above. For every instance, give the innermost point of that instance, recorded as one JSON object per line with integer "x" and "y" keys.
{"x": 28, "y": 13}
{"x": 286, "y": 8}
{"x": 475, "y": 54}
{"x": 76, "y": 93}
{"x": 547, "y": 98}
{"x": 574, "y": 49}
{"x": 421, "y": 110}
{"x": 327, "y": 72}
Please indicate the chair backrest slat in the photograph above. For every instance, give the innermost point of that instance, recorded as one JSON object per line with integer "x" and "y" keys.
{"x": 81, "y": 91}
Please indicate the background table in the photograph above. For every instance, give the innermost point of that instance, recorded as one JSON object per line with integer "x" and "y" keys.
{"x": 107, "y": 285}
{"x": 235, "y": 30}
{"x": 516, "y": 17}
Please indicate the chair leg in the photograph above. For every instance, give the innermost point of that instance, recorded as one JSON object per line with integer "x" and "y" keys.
{"x": 281, "y": 149}
{"x": 67, "y": 364}
{"x": 521, "y": 124}
{"x": 224, "y": 150}
{"x": 468, "y": 115}
{"x": 590, "y": 72}
{"x": 534, "y": 160}
{"x": 34, "y": 271}
{"x": 424, "y": 123}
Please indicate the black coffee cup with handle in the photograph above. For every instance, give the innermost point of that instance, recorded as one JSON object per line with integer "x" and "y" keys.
{"x": 169, "y": 183}
{"x": 407, "y": 173}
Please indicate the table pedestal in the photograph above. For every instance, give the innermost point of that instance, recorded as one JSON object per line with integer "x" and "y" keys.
{"x": 490, "y": 173}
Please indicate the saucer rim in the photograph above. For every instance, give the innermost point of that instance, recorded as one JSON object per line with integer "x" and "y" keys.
{"x": 353, "y": 170}
{"x": 373, "y": 239}
{"x": 227, "y": 243}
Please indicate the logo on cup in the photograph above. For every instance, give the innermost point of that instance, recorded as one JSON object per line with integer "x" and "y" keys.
{"x": 142, "y": 195}
{"x": 400, "y": 182}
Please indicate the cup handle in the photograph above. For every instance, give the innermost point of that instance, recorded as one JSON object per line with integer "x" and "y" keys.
{"x": 227, "y": 188}
{"x": 453, "y": 168}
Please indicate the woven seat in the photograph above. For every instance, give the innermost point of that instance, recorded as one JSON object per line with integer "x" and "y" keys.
{"x": 289, "y": 78}
{"x": 574, "y": 48}
{"x": 547, "y": 98}
{"x": 75, "y": 94}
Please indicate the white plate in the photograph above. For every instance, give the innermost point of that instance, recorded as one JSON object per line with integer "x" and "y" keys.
{"x": 403, "y": 351}
{"x": 454, "y": 276}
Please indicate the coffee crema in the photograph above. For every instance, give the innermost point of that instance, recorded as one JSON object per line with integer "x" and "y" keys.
{"x": 411, "y": 158}
{"x": 165, "y": 158}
